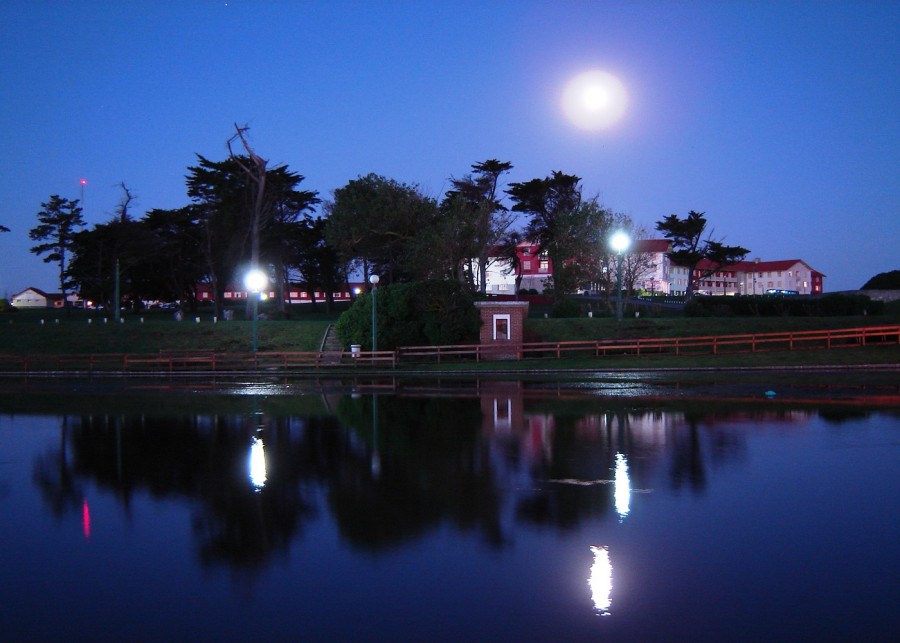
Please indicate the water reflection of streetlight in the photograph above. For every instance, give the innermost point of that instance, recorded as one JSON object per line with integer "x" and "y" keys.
{"x": 376, "y": 456}
{"x": 600, "y": 580}
{"x": 619, "y": 242}
{"x": 622, "y": 487}
{"x": 255, "y": 281}
{"x": 257, "y": 464}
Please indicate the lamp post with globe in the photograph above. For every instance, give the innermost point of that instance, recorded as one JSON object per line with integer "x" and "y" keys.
{"x": 374, "y": 281}
{"x": 619, "y": 242}
{"x": 255, "y": 280}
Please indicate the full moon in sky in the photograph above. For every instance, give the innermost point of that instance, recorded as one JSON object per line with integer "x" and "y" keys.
{"x": 594, "y": 100}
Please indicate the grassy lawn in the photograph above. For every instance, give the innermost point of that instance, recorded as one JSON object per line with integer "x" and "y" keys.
{"x": 23, "y": 333}
{"x": 557, "y": 330}
{"x": 80, "y": 332}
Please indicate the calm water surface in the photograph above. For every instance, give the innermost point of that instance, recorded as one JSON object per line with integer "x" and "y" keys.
{"x": 496, "y": 511}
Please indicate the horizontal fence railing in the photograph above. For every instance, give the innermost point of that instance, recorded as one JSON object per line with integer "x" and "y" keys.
{"x": 210, "y": 361}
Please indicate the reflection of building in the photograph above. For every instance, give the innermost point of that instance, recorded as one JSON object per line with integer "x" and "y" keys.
{"x": 501, "y": 407}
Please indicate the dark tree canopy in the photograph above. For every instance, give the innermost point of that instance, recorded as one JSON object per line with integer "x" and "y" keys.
{"x": 690, "y": 247}
{"x": 884, "y": 281}
{"x": 475, "y": 221}
{"x": 570, "y": 231}
{"x": 226, "y": 203}
{"x": 380, "y": 224}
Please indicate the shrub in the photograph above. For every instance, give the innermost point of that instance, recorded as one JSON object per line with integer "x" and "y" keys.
{"x": 412, "y": 314}
{"x": 6, "y": 307}
{"x": 566, "y": 308}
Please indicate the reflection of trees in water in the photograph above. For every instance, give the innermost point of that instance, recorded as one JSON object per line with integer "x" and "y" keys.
{"x": 58, "y": 484}
{"x": 687, "y": 464}
{"x": 434, "y": 467}
{"x": 425, "y": 462}
{"x": 204, "y": 460}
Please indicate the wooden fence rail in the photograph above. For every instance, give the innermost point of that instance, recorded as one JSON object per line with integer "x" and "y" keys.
{"x": 210, "y": 361}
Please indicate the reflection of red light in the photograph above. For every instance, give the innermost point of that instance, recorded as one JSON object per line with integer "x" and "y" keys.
{"x": 86, "y": 519}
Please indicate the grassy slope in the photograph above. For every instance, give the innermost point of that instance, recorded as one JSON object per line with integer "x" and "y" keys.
{"x": 555, "y": 330}
{"x": 22, "y": 333}
{"x": 26, "y": 335}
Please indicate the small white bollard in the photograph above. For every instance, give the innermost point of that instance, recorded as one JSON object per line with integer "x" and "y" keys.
{"x": 142, "y": 320}
{"x": 90, "y": 321}
{"x": 215, "y": 319}
{"x": 56, "y": 321}
{"x": 105, "y": 320}
{"x": 42, "y": 322}
{"x": 197, "y": 320}
{"x": 590, "y": 314}
{"x": 121, "y": 320}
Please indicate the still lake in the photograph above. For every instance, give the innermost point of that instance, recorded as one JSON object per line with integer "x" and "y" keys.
{"x": 618, "y": 509}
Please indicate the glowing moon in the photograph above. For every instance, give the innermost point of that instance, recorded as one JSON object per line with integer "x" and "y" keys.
{"x": 594, "y": 100}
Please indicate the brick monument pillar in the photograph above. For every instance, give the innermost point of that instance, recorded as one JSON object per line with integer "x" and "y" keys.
{"x": 502, "y": 328}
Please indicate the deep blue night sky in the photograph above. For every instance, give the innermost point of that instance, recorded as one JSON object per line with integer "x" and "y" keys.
{"x": 777, "y": 119}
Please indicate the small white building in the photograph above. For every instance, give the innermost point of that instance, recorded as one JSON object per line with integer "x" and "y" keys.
{"x": 33, "y": 297}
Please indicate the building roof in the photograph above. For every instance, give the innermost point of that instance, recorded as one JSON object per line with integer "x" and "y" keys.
{"x": 755, "y": 266}
{"x": 770, "y": 266}
{"x": 36, "y": 291}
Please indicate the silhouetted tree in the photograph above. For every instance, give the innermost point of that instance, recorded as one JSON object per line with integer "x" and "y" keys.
{"x": 884, "y": 281}
{"x": 477, "y": 220}
{"x": 59, "y": 220}
{"x": 690, "y": 247}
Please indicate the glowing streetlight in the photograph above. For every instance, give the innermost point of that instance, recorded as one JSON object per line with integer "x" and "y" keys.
{"x": 255, "y": 281}
{"x": 374, "y": 281}
{"x": 619, "y": 242}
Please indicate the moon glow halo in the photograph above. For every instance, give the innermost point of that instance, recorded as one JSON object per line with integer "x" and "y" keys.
{"x": 594, "y": 100}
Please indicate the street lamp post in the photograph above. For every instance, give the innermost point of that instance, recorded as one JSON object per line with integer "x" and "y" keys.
{"x": 619, "y": 242}
{"x": 255, "y": 281}
{"x": 374, "y": 281}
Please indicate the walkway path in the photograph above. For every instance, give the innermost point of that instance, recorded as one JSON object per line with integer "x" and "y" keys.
{"x": 331, "y": 346}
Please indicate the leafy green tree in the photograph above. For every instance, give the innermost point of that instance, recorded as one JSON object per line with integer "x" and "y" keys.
{"x": 286, "y": 216}
{"x": 175, "y": 264}
{"x": 476, "y": 219}
{"x": 412, "y": 314}
{"x": 318, "y": 263}
{"x": 225, "y": 199}
{"x": 569, "y": 230}
{"x": 99, "y": 253}
{"x": 691, "y": 244}
{"x": 377, "y": 224}
{"x": 220, "y": 197}
{"x": 59, "y": 220}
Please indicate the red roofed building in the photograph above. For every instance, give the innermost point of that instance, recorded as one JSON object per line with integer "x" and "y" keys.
{"x": 751, "y": 278}
{"x": 655, "y": 273}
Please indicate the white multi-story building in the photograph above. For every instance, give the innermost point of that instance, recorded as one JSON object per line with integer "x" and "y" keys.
{"x": 655, "y": 273}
